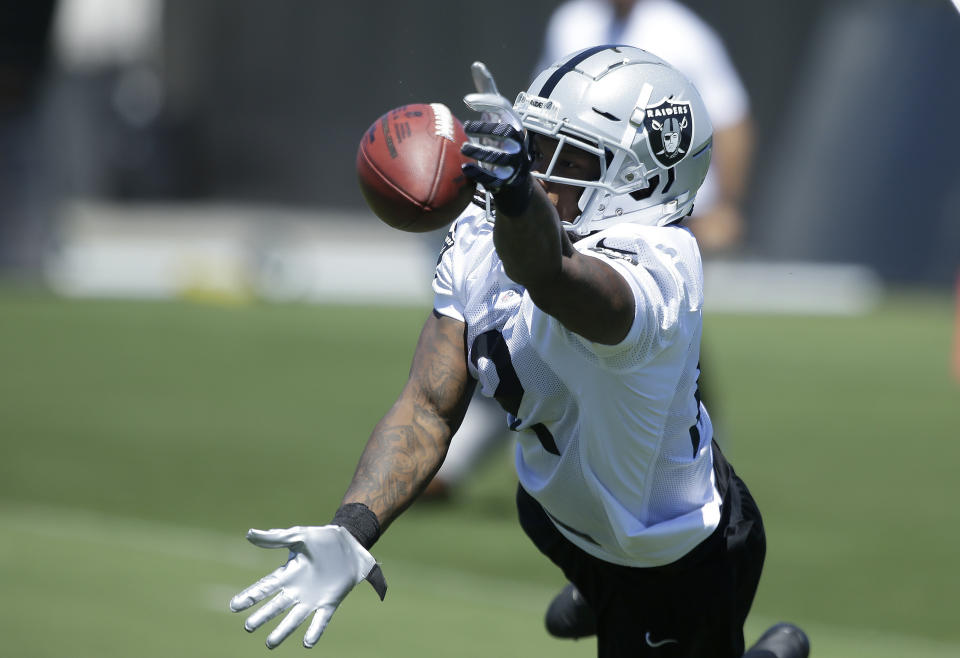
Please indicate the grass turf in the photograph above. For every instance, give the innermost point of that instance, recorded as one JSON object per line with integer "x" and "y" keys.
{"x": 140, "y": 440}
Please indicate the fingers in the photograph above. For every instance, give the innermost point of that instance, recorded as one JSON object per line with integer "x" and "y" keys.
{"x": 494, "y": 104}
{"x": 276, "y": 537}
{"x": 503, "y": 158}
{"x": 483, "y": 79}
{"x": 257, "y": 592}
{"x": 289, "y": 624}
{"x": 482, "y": 176}
{"x": 510, "y": 136}
{"x": 488, "y": 155}
{"x": 486, "y": 102}
{"x": 317, "y": 626}
{"x": 277, "y": 605}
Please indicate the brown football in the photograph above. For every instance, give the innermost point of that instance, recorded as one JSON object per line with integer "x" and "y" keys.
{"x": 408, "y": 165}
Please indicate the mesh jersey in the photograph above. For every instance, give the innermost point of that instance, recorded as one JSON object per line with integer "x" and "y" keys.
{"x": 612, "y": 439}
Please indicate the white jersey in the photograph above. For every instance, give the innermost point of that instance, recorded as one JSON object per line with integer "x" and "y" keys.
{"x": 612, "y": 439}
{"x": 670, "y": 31}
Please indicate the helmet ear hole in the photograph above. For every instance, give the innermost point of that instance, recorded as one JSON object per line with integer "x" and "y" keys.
{"x": 647, "y": 192}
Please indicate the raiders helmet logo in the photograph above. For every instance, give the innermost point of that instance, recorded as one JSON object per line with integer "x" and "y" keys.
{"x": 669, "y": 127}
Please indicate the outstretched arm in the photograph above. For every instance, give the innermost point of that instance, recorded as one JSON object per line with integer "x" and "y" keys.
{"x": 326, "y": 562}
{"x": 409, "y": 443}
{"x": 585, "y": 294}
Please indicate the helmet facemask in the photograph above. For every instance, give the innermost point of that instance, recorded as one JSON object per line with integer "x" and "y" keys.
{"x": 621, "y": 171}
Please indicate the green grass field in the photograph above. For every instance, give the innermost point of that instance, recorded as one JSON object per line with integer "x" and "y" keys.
{"x": 139, "y": 441}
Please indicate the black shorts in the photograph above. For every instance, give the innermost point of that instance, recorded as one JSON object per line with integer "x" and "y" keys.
{"x": 694, "y": 607}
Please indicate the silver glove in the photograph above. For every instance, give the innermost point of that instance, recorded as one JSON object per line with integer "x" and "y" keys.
{"x": 326, "y": 562}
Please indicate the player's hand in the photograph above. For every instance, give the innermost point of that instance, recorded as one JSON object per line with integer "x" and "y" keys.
{"x": 499, "y": 144}
{"x": 488, "y": 101}
{"x": 501, "y": 152}
{"x": 325, "y": 563}
{"x": 485, "y": 84}
{"x": 498, "y": 140}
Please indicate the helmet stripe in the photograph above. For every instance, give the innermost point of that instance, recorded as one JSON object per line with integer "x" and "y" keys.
{"x": 670, "y": 178}
{"x": 568, "y": 66}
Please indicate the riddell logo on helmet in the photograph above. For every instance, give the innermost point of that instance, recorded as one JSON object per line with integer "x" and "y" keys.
{"x": 669, "y": 127}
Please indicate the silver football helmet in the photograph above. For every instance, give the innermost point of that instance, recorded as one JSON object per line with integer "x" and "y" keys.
{"x": 640, "y": 116}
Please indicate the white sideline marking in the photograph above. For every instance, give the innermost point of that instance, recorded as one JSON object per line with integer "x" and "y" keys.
{"x": 440, "y": 582}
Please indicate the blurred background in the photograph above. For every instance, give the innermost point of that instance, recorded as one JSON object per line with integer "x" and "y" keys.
{"x": 200, "y": 320}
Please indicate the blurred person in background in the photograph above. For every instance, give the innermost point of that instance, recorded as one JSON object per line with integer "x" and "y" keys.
{"x": 573, "y": 297}
{"x": 109, "y": 99}
{"x": 81, "y": 96}
{"x": 28, "y": 186}
{"x": 673, "y": 32}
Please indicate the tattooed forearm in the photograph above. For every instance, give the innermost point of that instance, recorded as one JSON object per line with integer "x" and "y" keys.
{"x": 408, "y": 445}
{"x": 401, "y": 456}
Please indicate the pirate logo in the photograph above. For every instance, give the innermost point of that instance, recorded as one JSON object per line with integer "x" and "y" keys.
{"x": 669, "y": 127}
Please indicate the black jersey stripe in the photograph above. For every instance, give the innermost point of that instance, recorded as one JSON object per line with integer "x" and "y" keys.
{"x": 581, "y": 535}
{"x": 546, "y": 438}
{"x": 568, "y": 66}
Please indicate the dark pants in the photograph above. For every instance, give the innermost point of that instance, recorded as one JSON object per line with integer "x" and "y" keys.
{"x": 694, "y": 607}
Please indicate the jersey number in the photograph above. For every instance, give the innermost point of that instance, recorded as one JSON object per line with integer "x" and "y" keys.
{"x": 694, "y": 430}
{"x": 492, "y": 345}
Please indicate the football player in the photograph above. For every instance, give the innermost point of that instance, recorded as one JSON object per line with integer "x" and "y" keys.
{"x": 675, "y": 33}
{"x": 572, "y": 295}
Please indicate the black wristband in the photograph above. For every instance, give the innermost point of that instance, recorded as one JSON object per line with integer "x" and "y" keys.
{"x": 513, "y": 199}
{"x": 360, "y": 522}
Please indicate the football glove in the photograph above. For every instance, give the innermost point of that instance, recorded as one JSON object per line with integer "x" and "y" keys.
{"x": 485, "y": 84}
{"x": 325, "y": 563}
{"x": 499, "y": 143}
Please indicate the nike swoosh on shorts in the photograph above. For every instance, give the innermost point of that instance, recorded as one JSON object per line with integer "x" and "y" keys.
{"x": 659, "y": 643}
